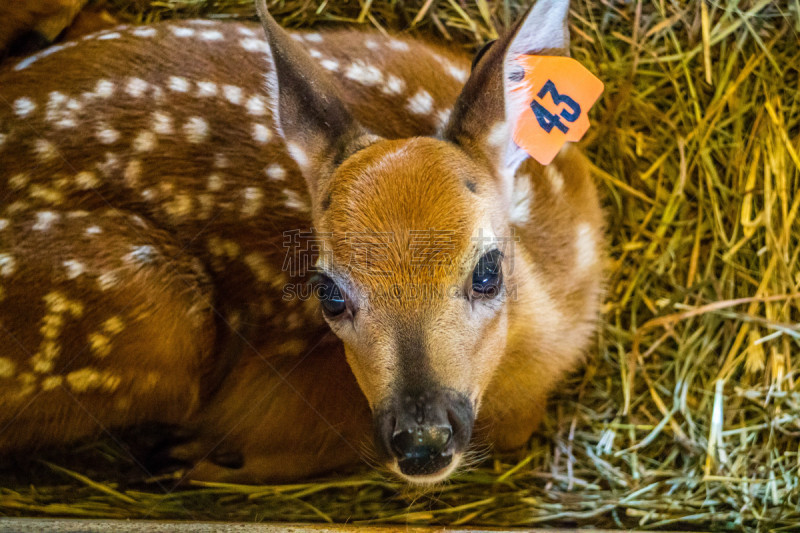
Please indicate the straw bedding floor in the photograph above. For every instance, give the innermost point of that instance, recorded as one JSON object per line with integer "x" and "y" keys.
{"x": 687, "y": 414}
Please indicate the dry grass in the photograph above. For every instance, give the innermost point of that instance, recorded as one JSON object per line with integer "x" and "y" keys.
{"x": 688, "y": 413}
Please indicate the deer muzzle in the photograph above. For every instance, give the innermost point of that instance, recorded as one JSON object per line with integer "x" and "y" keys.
{"x": 422, "y": 435}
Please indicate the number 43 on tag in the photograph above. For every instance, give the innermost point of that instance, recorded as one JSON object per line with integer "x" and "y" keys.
{"x": 560, "y": 91}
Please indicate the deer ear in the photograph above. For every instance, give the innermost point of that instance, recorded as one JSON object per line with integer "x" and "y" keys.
{"x": 485, "y": 113}
{"x": 308, "y": 110}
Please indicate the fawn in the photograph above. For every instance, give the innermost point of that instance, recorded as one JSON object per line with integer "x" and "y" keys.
{"x": 172, "y": 195}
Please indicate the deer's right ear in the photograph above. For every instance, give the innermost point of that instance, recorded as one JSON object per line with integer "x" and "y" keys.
{"x": 308, "y": 111}
{"x": 486, "y": 112}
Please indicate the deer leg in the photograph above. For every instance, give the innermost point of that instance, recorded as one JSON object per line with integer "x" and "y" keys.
{"x": 105, "y": 322}
{"x": 281, "y": 419}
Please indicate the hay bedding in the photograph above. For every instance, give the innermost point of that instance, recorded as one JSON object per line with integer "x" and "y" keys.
{"x": 687, "y": 413}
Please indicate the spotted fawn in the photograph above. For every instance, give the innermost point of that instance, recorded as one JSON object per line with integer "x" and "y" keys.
{"x": 305, "y": 248}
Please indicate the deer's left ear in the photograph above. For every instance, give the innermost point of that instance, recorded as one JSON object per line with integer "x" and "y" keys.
{"x": 485, "y": 114}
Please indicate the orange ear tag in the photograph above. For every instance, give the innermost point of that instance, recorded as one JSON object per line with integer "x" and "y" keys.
{"x": 560, "y": 92}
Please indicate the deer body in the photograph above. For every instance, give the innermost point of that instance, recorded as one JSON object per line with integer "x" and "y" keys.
{"x": 158, "y": 190}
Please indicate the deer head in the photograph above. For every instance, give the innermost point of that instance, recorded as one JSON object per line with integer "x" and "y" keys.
{"x": 417, "y": 278}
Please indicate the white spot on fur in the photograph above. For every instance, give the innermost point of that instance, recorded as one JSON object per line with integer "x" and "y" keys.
{"x": 256, "y": 106}
{"x": 394, "y": 85}
{"x": 44, "y": 220}
{"x": 109, "y": 165}
{"x": 144, "y": 254}
{"x": 94, "y": 230}
{"x": 196, "y": 129}
{"x": 51, "y": 196}
{"x": 74, "y": 268}
{"x": 253, "y": 200}
{"x": 144, "y": 31}
{"x": 313, "y": 52}
{"x": 145, "y": 142}
{"x": 113, "y": 325}
{"x": 458, "y": 73}
{"x": 45, "y": 150}
{"x": 179, "y": 31}
{"x": 521, "y": 198}
{"x": 24, "y": 106}
{"x": 370, "y": 44}
{"x": 86, "y": 180}
{"x": 275, "y": 172}
{"x": 8, "y": 265}
{"x": 133, "y": 171}
{"x": 313, "y": 37}
{"x": 255, "y": 45}
{"x": 294, "y": 201}
{"x": 61, "y": 110}
{"x": 180, "y": 207}
{"x": 99, "y": 343}
{"x": 7, "y": 367}
{"x": 206, "y": 202}
{"x": 178, "y": 84}
{"x": 399, "y": 46}
{"x": 25, "y": 63}
{"x": 206, "y": 88}
{"x": 221, "y": 161}
{"x": 104, "y": 89}
{"x": 555, "y": 177}
{"x": 214, "y": 182}
{"x": 89, "y": 379}
{"x": 136, "y": 87}
{"x": 211, "y": 35}
{"x": 421, "y": 103}
{"x": 3, "y": 223}
{"x": 107, "y": 134}
{"x": 162, "y": 123}
{"x": 51, "y": 382}
{"x": 363, "y": 73}
{"x": 109, "y": 36}
{"x": 442, "y": 116}
{"x": 107, "y": 281}
{"x": 330, "y": 64}
{"x": 247, "y": 32}
{"x": 233, "y": 94}
{"x": 261, "y": 133}
{"x": 203, "y": 22}
{"x": 298, "y": 154}
{"x": 584, "y": 247}
{"x": 18, "y": 181}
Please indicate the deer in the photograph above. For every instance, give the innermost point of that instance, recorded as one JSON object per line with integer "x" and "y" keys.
{"x": 307, "y": 250}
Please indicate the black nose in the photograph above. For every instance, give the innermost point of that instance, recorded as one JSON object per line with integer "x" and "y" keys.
{"x": 422, "y": 449}
{"x": 424, "y": 431}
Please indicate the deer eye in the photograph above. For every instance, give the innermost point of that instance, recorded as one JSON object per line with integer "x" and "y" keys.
{"x": 487, "y": 278}
{"x": 330, "y": 295}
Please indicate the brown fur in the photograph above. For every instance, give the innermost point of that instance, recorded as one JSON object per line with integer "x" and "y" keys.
{"x": 46, "y": 18}
{"x": 186, "y": 182}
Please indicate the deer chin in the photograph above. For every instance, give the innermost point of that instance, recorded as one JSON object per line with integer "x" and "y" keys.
{"x": 426, "y": 480}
